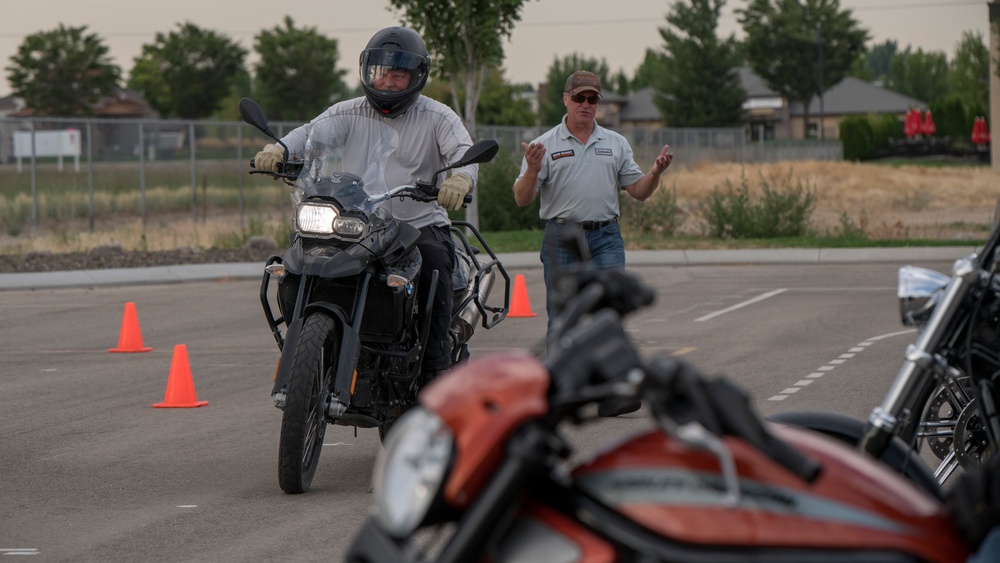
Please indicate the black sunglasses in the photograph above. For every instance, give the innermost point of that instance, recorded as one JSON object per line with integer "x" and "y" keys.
{"x": 580, "y": 98}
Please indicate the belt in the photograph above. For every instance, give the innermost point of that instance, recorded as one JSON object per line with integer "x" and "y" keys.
{"x": 587, "y": 225}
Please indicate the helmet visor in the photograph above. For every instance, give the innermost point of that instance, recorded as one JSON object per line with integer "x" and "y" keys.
{"x": 392, "y": 70}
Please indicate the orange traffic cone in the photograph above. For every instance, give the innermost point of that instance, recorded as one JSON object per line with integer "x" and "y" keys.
{"x": 180, "y": 387}
{"x": 519, "y": 306}
{"x": 130, "y": 339}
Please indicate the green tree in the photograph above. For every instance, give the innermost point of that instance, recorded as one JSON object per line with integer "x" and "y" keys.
{"x": 953, "y": 119}
{"x": 873, "y": 65}
{"x": 500, "y": 103}
{"x": 300, "y": 61}
{"x": 550, "y": 104}
{"x": 921, "y": 75}
{"x": 620, "y": 83}
{"x": 62, "y": 72}
{"x": 783, "y": 42}
{"x": 859, "y": 69}
{"x": 969, "y": 73}
{"x": 652, "y": 65}
{"x": 187, "y": 73}
{"x": 699, "y": 85}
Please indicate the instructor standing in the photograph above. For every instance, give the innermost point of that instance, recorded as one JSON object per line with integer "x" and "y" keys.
{"x": 578, "y": 168}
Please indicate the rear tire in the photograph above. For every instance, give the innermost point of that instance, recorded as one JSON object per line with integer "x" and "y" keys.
{"x": 303, "y": 422}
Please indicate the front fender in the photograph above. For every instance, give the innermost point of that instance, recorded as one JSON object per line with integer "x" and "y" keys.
{"x": 899, "y": 455}
{"x": 350, "y": 348}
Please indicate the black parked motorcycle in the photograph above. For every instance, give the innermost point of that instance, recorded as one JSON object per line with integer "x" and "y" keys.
{"x": 355, "y": 333}
{"x": 944, "y": 397}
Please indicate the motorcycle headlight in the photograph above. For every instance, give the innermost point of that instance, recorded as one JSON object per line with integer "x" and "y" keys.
{"x": 919, "y": 290}
{"x": 316, "y": 219}
{"x": 349, "y": 226}
{"x": 323, "y": 220}
{"x": 410, "y": 470}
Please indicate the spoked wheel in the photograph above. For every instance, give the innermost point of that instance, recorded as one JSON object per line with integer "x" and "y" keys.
{"x": 950, "y": 414}
{"x": 303, "y": 422}
{"x": 940, "y": 416}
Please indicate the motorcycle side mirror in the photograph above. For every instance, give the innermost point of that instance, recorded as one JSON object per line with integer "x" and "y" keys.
{"x": 478, "y": 153}
{"x": 481, "y": 151}
{"x": 252, "y": 114}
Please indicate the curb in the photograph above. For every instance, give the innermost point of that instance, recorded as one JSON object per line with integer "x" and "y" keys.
{"x": 519, "y": 261}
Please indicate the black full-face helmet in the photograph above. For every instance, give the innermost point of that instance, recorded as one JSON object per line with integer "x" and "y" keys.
{"x": 394, "y": 69}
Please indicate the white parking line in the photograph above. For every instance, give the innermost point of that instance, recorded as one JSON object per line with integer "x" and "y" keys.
{"x": 762, "y": 297}
{"x": 832, "y": 364}
{"x": 19, "y": 551}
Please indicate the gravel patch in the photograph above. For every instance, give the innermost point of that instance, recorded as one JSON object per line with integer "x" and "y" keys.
{"x": 113, "y": 256}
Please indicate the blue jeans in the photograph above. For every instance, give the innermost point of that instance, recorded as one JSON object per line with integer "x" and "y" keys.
{"x": 606, "y": 248}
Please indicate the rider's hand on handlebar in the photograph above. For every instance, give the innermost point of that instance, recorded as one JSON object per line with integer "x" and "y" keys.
{"x": 268, "y": 158}
{"x": 453, "y": 190}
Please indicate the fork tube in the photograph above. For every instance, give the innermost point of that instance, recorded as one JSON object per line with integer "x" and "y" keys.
{"x": 918, "y": 360}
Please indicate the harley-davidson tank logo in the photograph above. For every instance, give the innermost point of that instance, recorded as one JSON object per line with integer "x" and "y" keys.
{"x": 562, "y": 154}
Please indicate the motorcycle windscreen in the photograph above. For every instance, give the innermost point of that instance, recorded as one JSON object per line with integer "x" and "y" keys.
{"x": 348, "y": 144}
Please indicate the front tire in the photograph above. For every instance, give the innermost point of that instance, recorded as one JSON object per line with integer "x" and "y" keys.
{"x": 303, "y": 422}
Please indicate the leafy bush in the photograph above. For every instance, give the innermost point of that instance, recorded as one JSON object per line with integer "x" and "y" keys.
{"x": 777, "y": 212}
{"x": 953, "y": 119}
{"x": 495, "y": 196}
{"x": 658, "y": 215}
{"x": 885, "y": 126}
{"x": 858, "y": 138}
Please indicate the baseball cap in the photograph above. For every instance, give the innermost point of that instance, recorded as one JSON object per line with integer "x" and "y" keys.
{"x": 582, "y": 81}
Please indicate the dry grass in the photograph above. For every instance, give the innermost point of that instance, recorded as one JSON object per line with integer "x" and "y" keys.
{"x": 886, "y": 202}
{"x": 164, "y": 232}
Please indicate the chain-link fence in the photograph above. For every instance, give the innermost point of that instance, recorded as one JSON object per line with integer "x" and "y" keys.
{"x": 55, "y": 169}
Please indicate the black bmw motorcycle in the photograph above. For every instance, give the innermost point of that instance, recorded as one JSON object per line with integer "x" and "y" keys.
{"x": 351, "y": 331}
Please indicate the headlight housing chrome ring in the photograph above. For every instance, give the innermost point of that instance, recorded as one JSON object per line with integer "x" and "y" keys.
{"x": 919, "y": 290}
{"x": 411, "y": 470}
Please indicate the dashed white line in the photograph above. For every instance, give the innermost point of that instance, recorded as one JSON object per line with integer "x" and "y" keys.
{"x": 832, "y": 364}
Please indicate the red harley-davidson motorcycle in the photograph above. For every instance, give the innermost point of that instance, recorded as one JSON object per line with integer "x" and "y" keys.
{"x": 480, "y": 470}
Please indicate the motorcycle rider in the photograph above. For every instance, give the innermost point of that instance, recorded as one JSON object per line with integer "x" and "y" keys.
{"x": 393, "y": 70}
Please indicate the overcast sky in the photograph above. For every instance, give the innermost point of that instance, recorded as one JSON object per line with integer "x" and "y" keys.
{"x": 617, "y": 30}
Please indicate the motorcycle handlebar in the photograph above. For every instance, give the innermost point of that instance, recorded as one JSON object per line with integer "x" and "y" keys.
{"x": 679, "y": 391}
{"x": 288, "y": 170}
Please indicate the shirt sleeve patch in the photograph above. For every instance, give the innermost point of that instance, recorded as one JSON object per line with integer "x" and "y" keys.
{"x": 606, "y": 152}
{"x": 562, "y": 154}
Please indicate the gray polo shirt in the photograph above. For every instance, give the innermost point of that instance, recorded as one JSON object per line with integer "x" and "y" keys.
{"x": 580, "y": 182}
{"x": 431, "y": 136}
